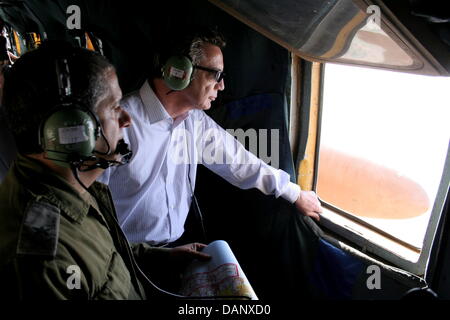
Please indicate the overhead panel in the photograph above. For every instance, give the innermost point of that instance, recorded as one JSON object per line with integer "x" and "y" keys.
{"x": 341, "y": 31}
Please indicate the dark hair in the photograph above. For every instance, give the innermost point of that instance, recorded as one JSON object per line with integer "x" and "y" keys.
{"x": 190, "y": 43}
{"x": 31, "y": 90}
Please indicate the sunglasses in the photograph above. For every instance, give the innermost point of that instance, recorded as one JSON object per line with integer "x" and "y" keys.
{"x": 218, "y": 75}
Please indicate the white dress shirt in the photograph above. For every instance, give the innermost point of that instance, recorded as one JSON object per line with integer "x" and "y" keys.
{"x": 152, "y": 193}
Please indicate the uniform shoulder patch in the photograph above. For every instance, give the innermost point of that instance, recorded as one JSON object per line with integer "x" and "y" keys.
{"x": 39, "y": 231}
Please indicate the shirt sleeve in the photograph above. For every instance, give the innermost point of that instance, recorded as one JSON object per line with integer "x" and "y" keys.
{"x": 151, "y": 260}
{"x": 143, "y": 251}
{"x": 220, "y": 152}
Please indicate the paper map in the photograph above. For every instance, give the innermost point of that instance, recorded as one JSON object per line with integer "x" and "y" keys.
{"x": 221, "y": 276}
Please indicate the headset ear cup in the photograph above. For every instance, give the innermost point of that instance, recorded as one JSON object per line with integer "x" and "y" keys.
{"x": 177, "y": 72}
{"x": 68, "y": 134}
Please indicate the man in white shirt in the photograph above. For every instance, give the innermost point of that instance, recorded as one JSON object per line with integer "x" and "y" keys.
{"x": 170, "y": 136}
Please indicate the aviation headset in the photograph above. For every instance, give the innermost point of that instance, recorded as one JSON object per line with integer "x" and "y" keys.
{"x": 177, "y": 71}
{"x": 177, "y": 67}
{"x": 69, "y": 133}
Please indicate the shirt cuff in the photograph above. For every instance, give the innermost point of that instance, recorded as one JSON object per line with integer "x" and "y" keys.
{"x": 291, "y": 193}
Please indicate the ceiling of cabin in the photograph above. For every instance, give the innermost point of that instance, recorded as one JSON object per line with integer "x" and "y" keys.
{"x": 413, "y": 36}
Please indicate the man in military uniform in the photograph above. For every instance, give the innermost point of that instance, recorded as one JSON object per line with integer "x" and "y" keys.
{"x": 59, "y": 237}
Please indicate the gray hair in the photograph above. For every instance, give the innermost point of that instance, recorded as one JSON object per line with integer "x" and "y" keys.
{"x": 196, "y": 52}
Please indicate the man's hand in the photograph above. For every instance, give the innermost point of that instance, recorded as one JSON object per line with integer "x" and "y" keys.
{"x": 189, "y": 252}
{"x": 309, "y": 205}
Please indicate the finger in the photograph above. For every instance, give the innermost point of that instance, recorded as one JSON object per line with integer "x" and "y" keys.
{"x": 319, "y": 206}
{"x": 201, "y": 256}
{"x": 199, "y": 245}
{"x": 315, "y": 216}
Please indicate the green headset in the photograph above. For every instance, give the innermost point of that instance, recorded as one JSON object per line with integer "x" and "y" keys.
{"x": 178, "y": 68}
{"x": 68, "y": 134}
{"x": 174, "y": 62}
{"x": 177, "y": 72}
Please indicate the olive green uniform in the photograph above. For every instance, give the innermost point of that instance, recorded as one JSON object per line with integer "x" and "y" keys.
{"x": 56, "y": 243}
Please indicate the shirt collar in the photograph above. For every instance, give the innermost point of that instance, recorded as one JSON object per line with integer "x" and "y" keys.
{"x": 153, "y": 107}
{"x": 54, "y": 188}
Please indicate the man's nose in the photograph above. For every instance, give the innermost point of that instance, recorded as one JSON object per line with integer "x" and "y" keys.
{"x": 125, "y": 119}
{"x": 220, "y": 85}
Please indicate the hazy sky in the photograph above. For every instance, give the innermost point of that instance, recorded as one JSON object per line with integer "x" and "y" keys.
{"x": 399, "y": 120}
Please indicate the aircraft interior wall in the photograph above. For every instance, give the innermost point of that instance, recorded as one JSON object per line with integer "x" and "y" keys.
{"x": 283, "y": 254}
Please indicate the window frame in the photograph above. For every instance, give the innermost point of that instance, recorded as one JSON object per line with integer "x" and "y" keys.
{"x": 369, "y": 239}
